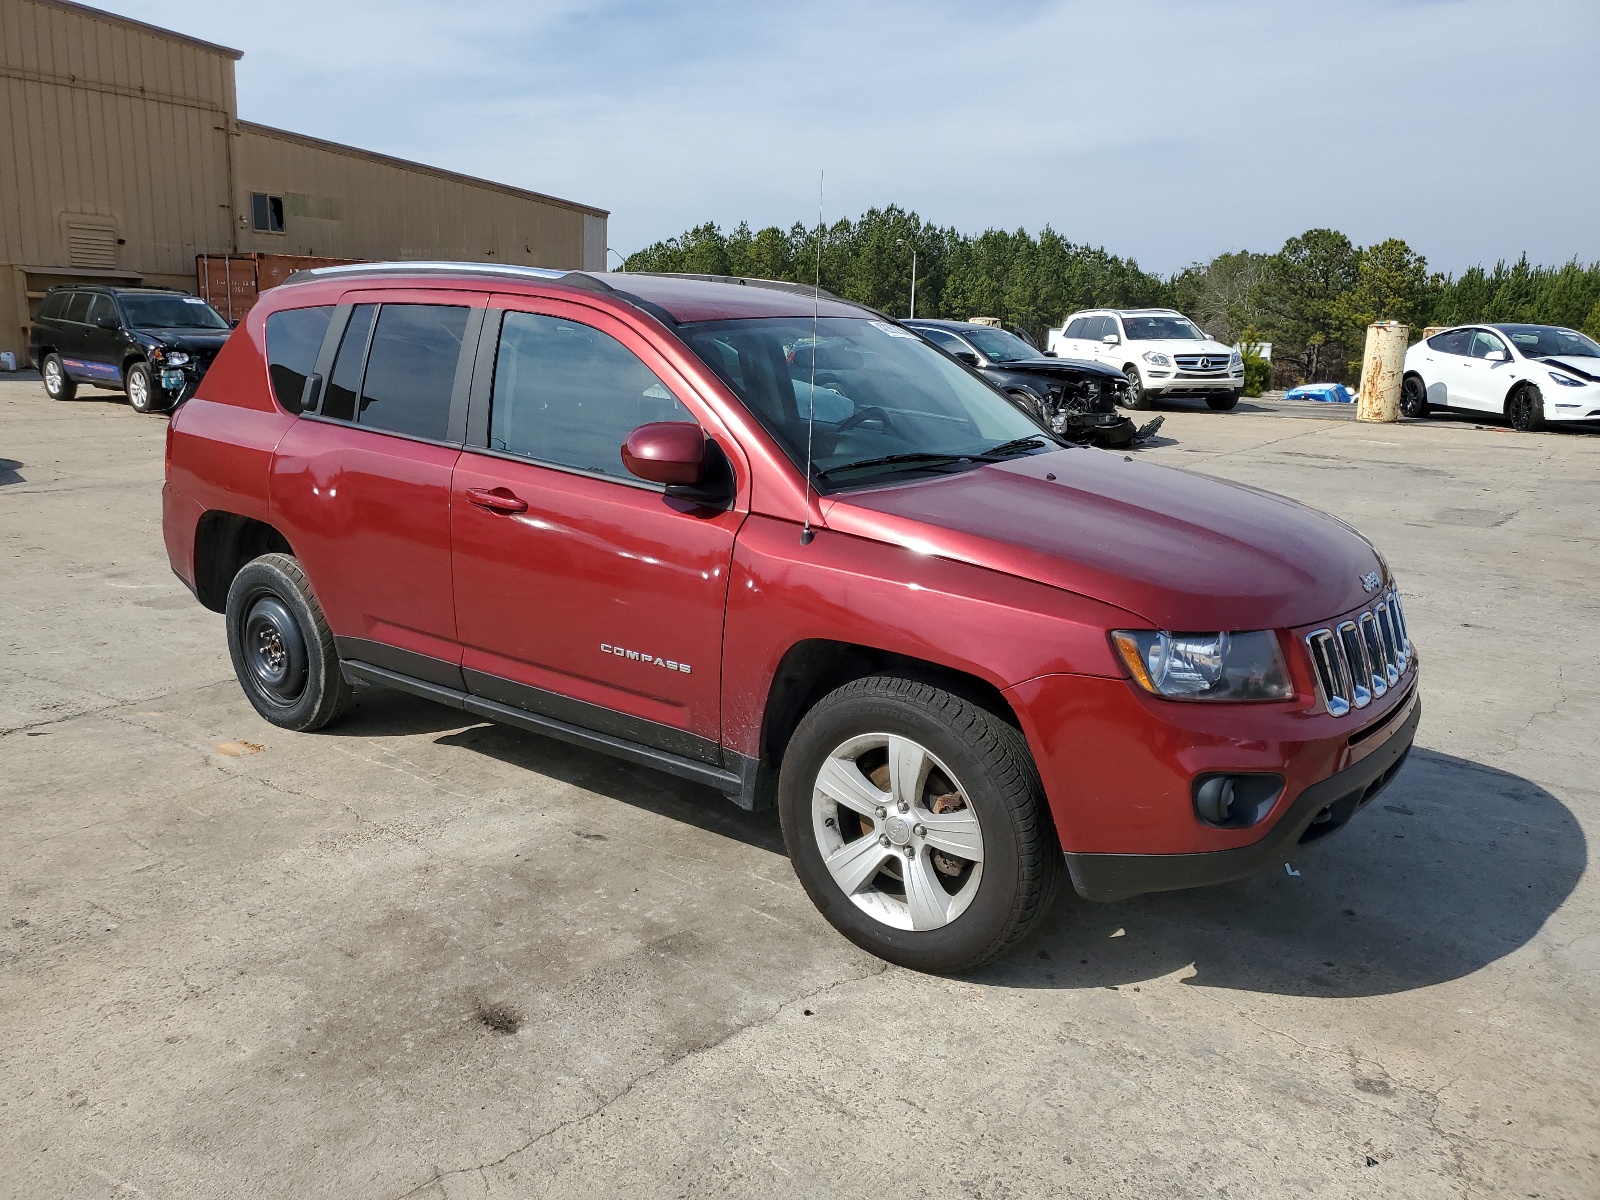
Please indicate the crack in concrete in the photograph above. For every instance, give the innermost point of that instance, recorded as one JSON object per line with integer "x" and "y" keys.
{"x": 877, "y": 969}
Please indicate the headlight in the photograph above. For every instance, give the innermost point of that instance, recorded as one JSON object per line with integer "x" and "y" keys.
{"x": 1236, "y": 360}
{"x": 1205, "y": 666}
{"x": 175, "y": 358}
{"x": 1157, "y": 360}
{"x": 1564, "y": 380}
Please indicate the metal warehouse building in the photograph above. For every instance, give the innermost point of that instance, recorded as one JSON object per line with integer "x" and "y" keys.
{"x": 122, "y": 157}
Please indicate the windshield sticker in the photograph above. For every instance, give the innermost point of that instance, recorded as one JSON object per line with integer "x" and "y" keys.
{"x": 893, "y": 330}
{"x": 193, "y": 300}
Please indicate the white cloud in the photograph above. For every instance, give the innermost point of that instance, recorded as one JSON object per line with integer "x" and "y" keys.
{"x": 1168, "y": 130}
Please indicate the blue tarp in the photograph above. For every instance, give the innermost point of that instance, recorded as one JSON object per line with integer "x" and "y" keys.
{"x": 1333, "y": 393}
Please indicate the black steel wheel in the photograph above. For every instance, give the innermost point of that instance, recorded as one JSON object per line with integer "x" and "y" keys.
{"x": 1136, "y": 396}
{"x": 57, "y": 384}
{"x": 1526, "y": 409}
{"x": 1413, "y": 397}
{"x": 282, "y": 648}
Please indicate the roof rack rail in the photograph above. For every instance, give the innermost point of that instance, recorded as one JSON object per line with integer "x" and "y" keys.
{"x": 776, "y": 285}
{"x": 430, "y": 267}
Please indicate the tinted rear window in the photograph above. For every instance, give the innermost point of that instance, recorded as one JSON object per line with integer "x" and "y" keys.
{"x": 1453, "y": 342}
{"x": 411, "y": 369}
{"x": 346, "y": 381}
{"x": 294, "y": 337}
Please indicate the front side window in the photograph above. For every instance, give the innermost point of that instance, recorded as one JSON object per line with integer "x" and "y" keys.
{"x": 411, "y": 369}
{"x": 266, "y": 212}
{"x": 945, "y": 341}
{"x": 100, "y": 308}
{"x": 1160, "y": 328}
{"x": 1485, "y": 344}
{"x": 294, "y": 338}
{"x": 569, "y": 395}
{"x": 1096, "y": 328}
{"x": 883, "y": 400}
{"x": 155, "y": 311}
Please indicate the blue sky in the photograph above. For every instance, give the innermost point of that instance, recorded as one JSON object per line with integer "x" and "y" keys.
{"x": 1165, "y": 130}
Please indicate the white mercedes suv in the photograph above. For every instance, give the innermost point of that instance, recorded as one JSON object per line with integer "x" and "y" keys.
{"x": 1161, "y": 351}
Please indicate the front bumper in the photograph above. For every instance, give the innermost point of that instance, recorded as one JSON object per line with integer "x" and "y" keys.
{"x": 1319, "y": 810}
{"x": 1179, "y": 384}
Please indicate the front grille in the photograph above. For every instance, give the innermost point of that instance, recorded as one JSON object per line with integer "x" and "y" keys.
{"x": 1216, "y": 364}
{"x": 1359, "y": 660}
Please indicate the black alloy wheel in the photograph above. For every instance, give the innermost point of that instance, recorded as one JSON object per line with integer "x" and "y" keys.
{"x": 282, "y": 649}
{"x": 57, "y": 384}
{"x": 143, "y": 388}
{"x": 1223, "y": 402}
{"x": 1136, "y": 397}
{"x": 1414, "y": 398}
{"x": 1526, "y": 409}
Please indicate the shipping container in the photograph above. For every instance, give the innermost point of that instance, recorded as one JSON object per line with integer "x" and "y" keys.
{"x": 230, "y": 283}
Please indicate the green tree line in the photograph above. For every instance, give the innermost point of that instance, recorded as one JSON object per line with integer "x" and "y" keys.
{"x": 1312, "y": 299}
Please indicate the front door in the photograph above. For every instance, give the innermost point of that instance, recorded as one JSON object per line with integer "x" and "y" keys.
{"x": 361, "y": 483}
{"x": 1485, "y": 379}
{"x": 583, "y": 592}
{"x": 102, "y": 340}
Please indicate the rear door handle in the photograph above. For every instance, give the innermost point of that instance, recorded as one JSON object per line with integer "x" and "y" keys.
{"x": 497, "y": 500}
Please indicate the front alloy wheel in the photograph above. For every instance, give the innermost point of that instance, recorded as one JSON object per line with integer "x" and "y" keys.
{"x": 141, "y": 387}
{"x": 897, "y": 832}
{"x": 1136, "y": 397}
{"x": 1527, "y": 409}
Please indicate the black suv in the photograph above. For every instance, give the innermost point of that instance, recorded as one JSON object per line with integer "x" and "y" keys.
{"x": 153, "y": 344}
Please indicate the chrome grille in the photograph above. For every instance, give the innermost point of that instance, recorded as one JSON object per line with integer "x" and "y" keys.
{"x": 1217, "y": 363}
{"x": 1357, "y": 661}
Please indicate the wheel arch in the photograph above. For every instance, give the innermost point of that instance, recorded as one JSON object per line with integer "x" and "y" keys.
{"x": 131, "y": 357}
{"x": 223, "y": 543}
{"x": 812, "y": 668}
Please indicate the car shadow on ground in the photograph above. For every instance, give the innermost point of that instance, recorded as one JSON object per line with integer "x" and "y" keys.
{"x": 1454, "y": 866}
{"x": 381, "y": 712}
{"x": 9, "y": 468}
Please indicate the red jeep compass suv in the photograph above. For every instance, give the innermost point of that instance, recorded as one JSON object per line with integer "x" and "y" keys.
{"x": 957, "y": 655}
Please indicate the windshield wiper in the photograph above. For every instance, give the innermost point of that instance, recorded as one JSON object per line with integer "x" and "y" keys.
{"x": 921, "y": 458}
{"x": 1015, "y": 446}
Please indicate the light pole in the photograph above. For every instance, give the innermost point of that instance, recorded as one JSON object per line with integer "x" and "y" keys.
{"x": 902, "y": 242}
{"x": 620, "y": 259}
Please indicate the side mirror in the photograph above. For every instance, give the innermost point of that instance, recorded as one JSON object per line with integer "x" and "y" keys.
{"x": 966, "y": 356}
{"x": 1496, "y": 356}
{"x": 1111, "y": 339}
{"x": 669, "y": 452}
{"x": 106, "y": 322}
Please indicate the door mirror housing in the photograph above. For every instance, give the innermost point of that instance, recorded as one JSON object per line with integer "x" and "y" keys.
{"x": 106, "y": 323}
{"x": 681, "y": 456}
{"x": 1111, "y": 339}
{"x": 966, "y": 356}
{"x": 1495, "y": 356}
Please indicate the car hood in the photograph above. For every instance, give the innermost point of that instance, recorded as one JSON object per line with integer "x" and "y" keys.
{"x": 1180, "y": 550}
{"x": 1058, "y": 366}
{"x": 206, "y": 340}
{"x": 1182, "y": 346}
{"x": 1580, "y": 365}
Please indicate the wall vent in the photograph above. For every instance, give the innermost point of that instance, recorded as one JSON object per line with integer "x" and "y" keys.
{"x": 92, "y": 245}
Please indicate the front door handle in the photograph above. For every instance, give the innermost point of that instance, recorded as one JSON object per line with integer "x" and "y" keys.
{"x": 497, "y": 500}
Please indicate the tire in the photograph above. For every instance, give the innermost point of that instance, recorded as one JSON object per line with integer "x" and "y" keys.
{"x": 57, "y": 385}
{"x": 1223, "y": 402}
{"x": 1028, "y": 403}
{"x": 1414, "y": 398}
{"x": 1137, "y": 397}
{"x": 282, "y": 648}
{"x": 143, "y": 393}
{"x": 977, "y": 790}
{"x": 1525, "y": 407}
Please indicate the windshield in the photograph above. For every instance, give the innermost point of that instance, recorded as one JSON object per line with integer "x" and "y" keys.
{"x": 169, "y": 312}
{"x": 1161, "y": 329}
{"x": 1545, "y": 341}
{"x": 999, "y": 346}
{"x": 885, "y": 401}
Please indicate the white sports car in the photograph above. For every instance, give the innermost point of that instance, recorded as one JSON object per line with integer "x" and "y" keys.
{"x": 1529, "y": 374}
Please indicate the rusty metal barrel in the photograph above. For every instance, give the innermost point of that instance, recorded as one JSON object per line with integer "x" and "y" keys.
{"x": 1382, "y": 365}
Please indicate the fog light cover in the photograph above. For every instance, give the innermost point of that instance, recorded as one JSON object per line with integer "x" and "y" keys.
{"x": 1205, "y": 666}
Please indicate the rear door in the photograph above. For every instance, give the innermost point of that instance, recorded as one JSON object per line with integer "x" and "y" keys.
{"x": 582, "y": 592}
{"x": 1445, "y": 367}
{"x": 72, "y": 334}
{"x": 361, "y": 483}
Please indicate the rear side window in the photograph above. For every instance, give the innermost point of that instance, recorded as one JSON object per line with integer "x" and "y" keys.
{"x": 411, "y": 369}
{"x": 346, "y": 379}
{"x": 294, "y": 338}
{"x": 569, "y": 395}
{"x": 54, "y": 306}
{"x": 1453, "y": 342}
{"x": 78, "y": 307}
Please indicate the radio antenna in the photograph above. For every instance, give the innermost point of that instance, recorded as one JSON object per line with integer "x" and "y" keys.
{"x": 806, "y": 532}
